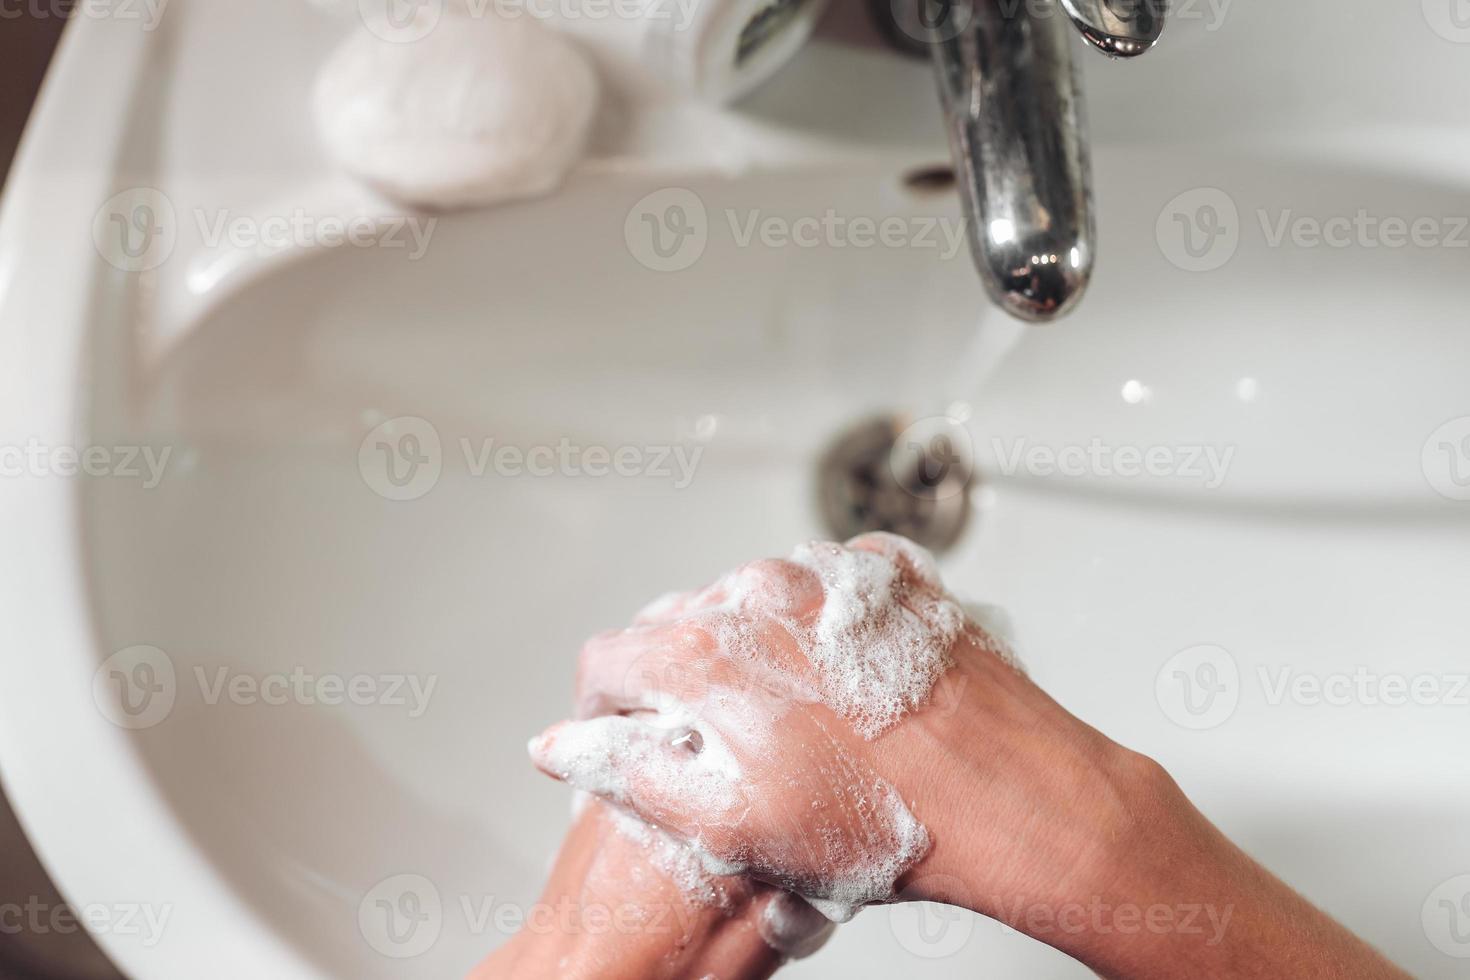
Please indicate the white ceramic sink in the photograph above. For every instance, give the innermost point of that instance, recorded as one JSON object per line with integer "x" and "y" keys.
{"x": 1331, "y": 378}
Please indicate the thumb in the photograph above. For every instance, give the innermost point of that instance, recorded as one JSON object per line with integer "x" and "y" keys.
{"x": 671, "y": 773}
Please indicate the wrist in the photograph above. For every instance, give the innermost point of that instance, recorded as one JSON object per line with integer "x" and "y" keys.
{"x": 1025, "y": 804}
{"x": 609, "y": 912}
{"x": 1041, "y": 822}
{"x": 701, "y": 942}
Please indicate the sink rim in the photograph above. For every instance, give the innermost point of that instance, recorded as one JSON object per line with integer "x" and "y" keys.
{"x": 47, "y": 601}
{"x": 47, "y": 597}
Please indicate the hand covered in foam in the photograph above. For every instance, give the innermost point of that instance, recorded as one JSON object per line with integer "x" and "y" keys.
{"x": 752, "y": 717}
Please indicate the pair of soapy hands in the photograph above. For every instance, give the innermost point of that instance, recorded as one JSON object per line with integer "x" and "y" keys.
{"x": 1025, "y": 807}
{"x": 801, "y": 800}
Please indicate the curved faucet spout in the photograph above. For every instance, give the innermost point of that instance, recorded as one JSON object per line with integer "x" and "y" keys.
{"x": 1015, "y": 114}
{"x": 1121, "y": 28}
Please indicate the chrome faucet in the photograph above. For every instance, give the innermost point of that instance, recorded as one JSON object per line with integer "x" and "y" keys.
{"x": 1014, "y": 110}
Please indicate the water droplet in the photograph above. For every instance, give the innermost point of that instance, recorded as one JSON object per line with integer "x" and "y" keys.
{"x": 690, "y": 740}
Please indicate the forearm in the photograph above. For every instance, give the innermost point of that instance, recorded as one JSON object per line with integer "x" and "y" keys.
{"x": 1196, "y": 905}
{"x": 609, "y": 914}
{"x": 1111, "y": 863}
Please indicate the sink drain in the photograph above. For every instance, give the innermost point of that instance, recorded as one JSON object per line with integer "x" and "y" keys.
{"x": 900, "y": 475}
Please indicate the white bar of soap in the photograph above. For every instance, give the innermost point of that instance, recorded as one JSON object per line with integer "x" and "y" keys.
{"x": 456, "y": 111}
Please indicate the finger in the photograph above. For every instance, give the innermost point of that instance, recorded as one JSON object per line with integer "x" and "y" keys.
{"x": 679, "y": 605}
{"x": 777, "y": 587}
{"x": 791, "y": 927}
{"x": 773, "y": 585}
{"x": 918, "y": 591}
{"x": 912, "y": 558}
{"x": 670, "y": 773}
{"x": 651, "y": 668}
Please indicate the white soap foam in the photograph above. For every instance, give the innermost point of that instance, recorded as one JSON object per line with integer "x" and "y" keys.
{"x": 885, "y": 630}
{"x": 867, "y": 835}
{"x": 605, "y": 755}
{"x": 880, "y": 642}
{"x": 699, "y": 877}
{"x": 877, "y": 644}
{"x": 866, "y": 871}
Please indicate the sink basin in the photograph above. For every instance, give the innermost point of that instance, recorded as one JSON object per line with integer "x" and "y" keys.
{"x": 283, "y": 691}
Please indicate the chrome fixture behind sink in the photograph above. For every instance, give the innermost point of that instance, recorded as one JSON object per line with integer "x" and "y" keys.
{"x": 882, "y": 475}
{"x": 1014, "y": 110}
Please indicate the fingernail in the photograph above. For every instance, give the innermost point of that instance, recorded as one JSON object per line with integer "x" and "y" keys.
{"x": 539, "y": 745}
